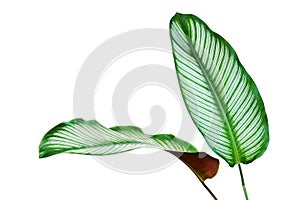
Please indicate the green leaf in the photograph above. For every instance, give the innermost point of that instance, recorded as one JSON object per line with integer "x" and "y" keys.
{"x": 222, "y": 99}
{"x": 91, "y": 138}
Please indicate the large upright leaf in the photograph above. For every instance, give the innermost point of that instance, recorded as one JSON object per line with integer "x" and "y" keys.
{"x": 221, "y": 97}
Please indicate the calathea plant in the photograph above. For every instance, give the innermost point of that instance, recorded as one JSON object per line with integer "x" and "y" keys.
{"x": 220, "y": 96}
{"x": 91, "y": 138}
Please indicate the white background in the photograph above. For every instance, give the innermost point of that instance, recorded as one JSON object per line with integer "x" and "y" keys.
{"x": 42, "y": 48}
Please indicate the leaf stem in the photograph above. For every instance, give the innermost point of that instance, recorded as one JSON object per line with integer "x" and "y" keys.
{"x": 243, "y": 182}
{"x": 210, "y": 192}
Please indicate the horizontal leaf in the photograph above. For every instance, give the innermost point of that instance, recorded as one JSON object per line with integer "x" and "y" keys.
{"x": 91, "y": 138}
{"x": 221, "y": 97}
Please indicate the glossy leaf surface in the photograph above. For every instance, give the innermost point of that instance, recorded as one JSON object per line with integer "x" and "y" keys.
{"x": 91, "y": 138}
{"x": 222, "y": 99}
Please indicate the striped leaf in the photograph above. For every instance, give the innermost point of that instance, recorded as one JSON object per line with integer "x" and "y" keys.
{"x": 91, "y": 138}
{"x": 222, "y": 99}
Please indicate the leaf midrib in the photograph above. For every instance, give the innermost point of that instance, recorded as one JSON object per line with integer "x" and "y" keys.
{"x": 107, "y": 144}
{"x": 212, "y": 88}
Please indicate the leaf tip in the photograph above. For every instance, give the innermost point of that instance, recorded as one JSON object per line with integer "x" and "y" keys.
{"x": 177, "y": 16}
{"x": 42, "y": 154}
